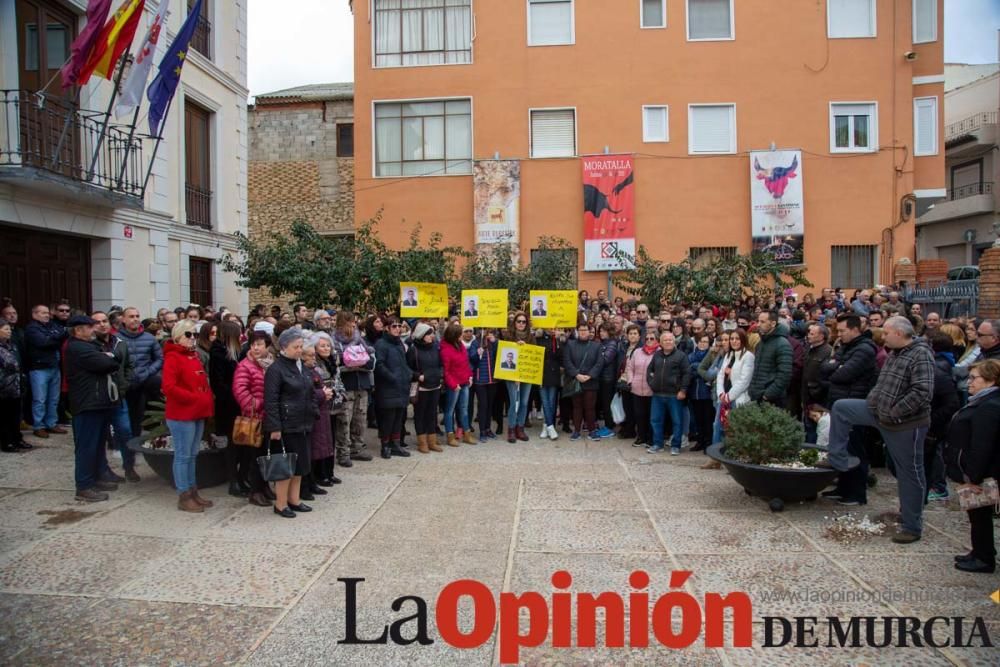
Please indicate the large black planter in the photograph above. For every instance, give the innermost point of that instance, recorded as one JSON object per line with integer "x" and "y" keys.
{"x": 210, "y": 466}
{"x": 777, "y": 484}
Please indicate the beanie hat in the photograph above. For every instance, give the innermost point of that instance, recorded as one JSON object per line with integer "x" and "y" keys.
{"x": 422, "y": 330}
{"x": 265, "y": 326}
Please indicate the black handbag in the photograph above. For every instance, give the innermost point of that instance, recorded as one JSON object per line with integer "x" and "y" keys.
{"x": 277, "y": 467}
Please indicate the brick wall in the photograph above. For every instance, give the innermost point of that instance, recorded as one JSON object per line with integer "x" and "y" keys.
{"x": 295, "y": 174}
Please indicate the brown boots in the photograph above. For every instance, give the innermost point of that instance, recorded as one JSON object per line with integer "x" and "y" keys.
{"x": 187, "y": 503}
{"x": 432, "y": 442}
{"x": 469, "y": 439}
{"x": 198, "y": 499}
{"x": 422, "y": 445}
{"x": 452, "y": 440}
{"x": 520, "y": 434}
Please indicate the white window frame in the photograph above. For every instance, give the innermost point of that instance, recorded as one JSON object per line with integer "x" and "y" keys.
{"x": 732, "y": 136}
{"x": 572, "y": 25}
{"x": 472, "y": 43}
{"x": 934, "y": 24}
{"x": 407, "y": 100}
{"x": 732, "y": 25}
{"x": 916, "y": 152}
{"x": 666, "y": 109}
{"x": 531, "y": 134}
{"x": 874, "y": 12}
{"x": 872, "y": 129}
{"x": 653, "y": 27}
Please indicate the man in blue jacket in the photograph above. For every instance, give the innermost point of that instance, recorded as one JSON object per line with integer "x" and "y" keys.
{"x": 147, "y": 361}
{"x": 43, "y": 339}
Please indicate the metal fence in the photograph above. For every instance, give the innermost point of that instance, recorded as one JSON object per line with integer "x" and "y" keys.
{"x": 954, "y": 298}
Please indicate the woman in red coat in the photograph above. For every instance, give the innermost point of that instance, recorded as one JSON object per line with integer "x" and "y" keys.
{"x": 248, "y": 390}
{"x": 189, "y": 402}
{"x": 457, "y": 380}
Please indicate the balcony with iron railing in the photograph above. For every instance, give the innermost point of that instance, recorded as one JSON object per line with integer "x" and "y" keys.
{"x": 198, "y": 206}
{"x": 970, "y": 190}
{"x": 201, "y": 40}
{"x": 49, "y": 144}
{"x": 968, "y": 128}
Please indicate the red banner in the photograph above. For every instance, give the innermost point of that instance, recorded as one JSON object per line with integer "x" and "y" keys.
{"x": 608, "y": 211}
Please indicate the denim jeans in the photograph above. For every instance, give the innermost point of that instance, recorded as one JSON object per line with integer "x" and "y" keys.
{"x": 550, "y": 399}
{"x": 456, "y": 398}
{"x": 518, "y": 392}
{"x": 717, "y": 424}
{"x": 121, "y": 433}
{"x": 187, "y": 441}
{"x": 89, "y": 429}
{"x": 661, "y": 404}
{"x": 44, "y": 397}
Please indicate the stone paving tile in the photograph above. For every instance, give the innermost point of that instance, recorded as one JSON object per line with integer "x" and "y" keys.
{"x": 10, "y": 491}
{"x": 728, "y": 532}
{"x": 928, "y": 585}
{"x": 653, "y": 468}
{"x": 709, "y": 493}
{"x": 814, "y": 524}
{"x": 54, "y": 510}
{"x": 561, "y": 530}
{"x": 215, "y": 572}
{"x": 592, "y": 573}
{"x": 72, "y": 563}
{"x": 801, "y": 584}
{"x": 156, "y": 514}
{"x": 14, "y": 540}
{"x": 585, "y": 495}
{"x": 53, "y": 630}
{"x": 473, "y": 527}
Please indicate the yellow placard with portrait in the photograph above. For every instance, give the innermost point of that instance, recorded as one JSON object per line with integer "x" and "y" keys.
{"x": 484, "y": 308}
{"x": 423, "y": 300}
{"x": 553, "y": 309}
{"x": 519, "y": 363}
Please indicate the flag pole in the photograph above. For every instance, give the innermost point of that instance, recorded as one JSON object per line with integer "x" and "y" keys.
{"x": 107, "y": 116}
{"x": 156, "y": 146}
{"x": 128, "y": 145}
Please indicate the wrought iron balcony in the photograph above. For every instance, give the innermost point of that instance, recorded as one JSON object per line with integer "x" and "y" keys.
{"x": 49, "y": 136}
{"x": 968, "y": 125}
{"x": 198, "y": 204}
{"x": 971, "y": 190}
{"x": 201, "y": 39}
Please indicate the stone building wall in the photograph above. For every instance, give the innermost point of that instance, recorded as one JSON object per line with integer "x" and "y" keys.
{"x": 295, "y": 174}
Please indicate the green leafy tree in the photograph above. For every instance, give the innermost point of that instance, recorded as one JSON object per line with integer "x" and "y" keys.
{"x": 723, "y": 279}
{"x": 552, "y": 267}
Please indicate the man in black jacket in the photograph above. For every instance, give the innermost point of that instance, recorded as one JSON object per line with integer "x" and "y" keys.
{"x": 668, "y": 375}
{"x": 819, "y": 352}
{"x": 121, "y": 427}
{"x": 93, "y": 396}
{"x": 851, "y": 373}
{"x": 583, "y": 362}
{"x": 43, "y": 340}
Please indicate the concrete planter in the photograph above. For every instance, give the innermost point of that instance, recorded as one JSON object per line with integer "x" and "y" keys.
{"x": 777, "y": 485}
{"x": 210, "y": 466}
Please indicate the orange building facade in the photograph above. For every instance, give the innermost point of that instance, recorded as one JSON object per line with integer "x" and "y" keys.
{"x": 686, "y": 87}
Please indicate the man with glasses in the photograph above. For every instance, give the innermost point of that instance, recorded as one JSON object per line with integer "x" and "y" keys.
{"x": 642, "y": 315}
{"x": 322, "y": 321}
{"x": 168, "y": 321}
{"x": 147, "y": 361}
{"x": 989, "y": 339}
{"x": 43, "y": 343}
{"x": 121, "y": 427}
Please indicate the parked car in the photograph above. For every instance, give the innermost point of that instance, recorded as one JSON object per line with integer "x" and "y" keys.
{"x": 963, "y": 273}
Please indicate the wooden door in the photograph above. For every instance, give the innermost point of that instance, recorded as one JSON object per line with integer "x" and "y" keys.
{"x": 41, "y": 267}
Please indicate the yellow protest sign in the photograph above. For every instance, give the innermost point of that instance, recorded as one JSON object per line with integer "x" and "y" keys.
{"x": 553, "y": 309}
{"x": 519, "y": 363}
{"x": 484, "y": 308}
{"x": 423, "y": 300}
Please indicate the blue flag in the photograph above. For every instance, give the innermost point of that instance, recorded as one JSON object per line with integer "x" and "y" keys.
{"x": 162, "y": 90}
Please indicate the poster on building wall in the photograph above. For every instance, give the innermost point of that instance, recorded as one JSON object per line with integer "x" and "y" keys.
{"x": 608, "y": 212}
{"x": 776, "y": 217}
{"x": 497, "y": 203}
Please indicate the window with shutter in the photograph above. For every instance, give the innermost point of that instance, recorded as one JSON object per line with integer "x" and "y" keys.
{"x": 925, "y": 120}
{"x": 553, "y": 133}
{"x": 850, "y": 18}
{"x": 711, "y": 128}
{"x": 853, "y": 127}
{"x": 550, "y": 22}
{"x": 197, "y": 165}
{"x": 853, "y": 265}
{"x": 924, "y": 21}
{"x": 655, "y": 127}
{"x": 709, "y": 19}
{"x": 654, "y": 13}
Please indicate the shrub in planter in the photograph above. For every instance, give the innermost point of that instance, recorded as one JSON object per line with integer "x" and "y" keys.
{"x": 760, "y": 433}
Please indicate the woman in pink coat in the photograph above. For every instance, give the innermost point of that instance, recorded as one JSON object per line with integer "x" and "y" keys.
{"x": 642, "y": 395}
{"x": 248, "y": 390}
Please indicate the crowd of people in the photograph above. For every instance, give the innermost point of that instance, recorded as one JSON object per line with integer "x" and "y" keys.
{"x": 870, "y": 377}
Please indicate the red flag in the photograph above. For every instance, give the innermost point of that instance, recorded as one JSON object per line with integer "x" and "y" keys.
{"x": 113, "y": 40}
{"x": 97, "y": 13}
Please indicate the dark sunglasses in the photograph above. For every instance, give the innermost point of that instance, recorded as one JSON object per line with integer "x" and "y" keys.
{"x": 395, "y": 326}
{"x": 520, "y": 321}
{"x": 189, "y": 334}
{"x": 62, "y": 310}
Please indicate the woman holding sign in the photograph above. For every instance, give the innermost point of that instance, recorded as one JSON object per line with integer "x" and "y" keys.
{"x": 457, "y": 380}
{"x": 518, "y": 392}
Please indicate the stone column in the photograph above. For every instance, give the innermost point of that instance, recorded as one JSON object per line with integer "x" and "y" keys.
{"x": 989, "y": 284}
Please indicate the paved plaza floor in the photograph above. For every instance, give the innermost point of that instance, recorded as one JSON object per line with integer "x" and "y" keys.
{"x": 133, "y": 581}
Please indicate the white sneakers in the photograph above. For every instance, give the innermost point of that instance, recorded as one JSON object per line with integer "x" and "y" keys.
{"x": 553, "y": 433}
{"x": 544, "y": 433}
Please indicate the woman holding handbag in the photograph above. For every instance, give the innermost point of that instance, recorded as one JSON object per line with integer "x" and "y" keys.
{"x": 188, "y": 403}
{"x": 223, "y": 357}
{"x": 248, "y": 390}
{"x": 974, "y": 456}
{"x": 289, "y": 415}
{"x": 424, "y": 361}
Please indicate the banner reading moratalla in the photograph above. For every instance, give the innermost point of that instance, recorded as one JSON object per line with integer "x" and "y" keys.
{"x": 776, "y": 214}
{"x": 608, "y": 211}
{"x": 497, "y": 202}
